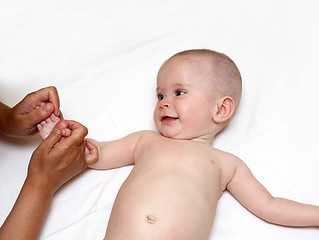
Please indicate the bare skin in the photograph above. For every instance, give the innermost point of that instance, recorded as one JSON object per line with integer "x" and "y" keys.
{"x": 22, "y": 119}
{"x": 46, "y": 126}
{"x": 177, "y": 179}
{"x": 58, "y": 158}
{"x": 173, "y": 190}
{"x": 52, "y": 164}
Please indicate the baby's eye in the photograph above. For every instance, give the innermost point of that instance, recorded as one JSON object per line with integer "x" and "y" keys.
{"x": 180, "y": 92}
{"x": 160, "y": 97}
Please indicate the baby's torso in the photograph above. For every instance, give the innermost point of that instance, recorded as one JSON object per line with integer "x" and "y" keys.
{"x": 171, "y": 193}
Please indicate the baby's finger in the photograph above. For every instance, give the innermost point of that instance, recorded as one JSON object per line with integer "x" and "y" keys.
{"x": 93, "y": 155}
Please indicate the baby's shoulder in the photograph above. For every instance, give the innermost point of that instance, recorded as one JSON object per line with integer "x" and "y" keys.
{"x": 229, "y": 163}
{"x": 145, "y": 136}
{"x": 148, "y": 134}
{"x": 225, "y": 158}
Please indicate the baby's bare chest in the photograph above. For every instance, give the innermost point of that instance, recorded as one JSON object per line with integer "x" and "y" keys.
{"x": 173, "y": 185}
{"x": 195, "y": 162}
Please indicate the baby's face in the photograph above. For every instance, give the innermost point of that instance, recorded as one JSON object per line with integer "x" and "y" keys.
{"x": 186, "y": 101}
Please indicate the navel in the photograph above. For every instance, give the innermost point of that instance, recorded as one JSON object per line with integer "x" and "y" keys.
{"x": 151, "y": 219}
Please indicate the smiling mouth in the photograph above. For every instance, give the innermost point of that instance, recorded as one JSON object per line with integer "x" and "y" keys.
{"x": 168, "y": 119}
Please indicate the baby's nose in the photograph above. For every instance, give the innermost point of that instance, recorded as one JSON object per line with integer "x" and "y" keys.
{"x": 164, "y": 104}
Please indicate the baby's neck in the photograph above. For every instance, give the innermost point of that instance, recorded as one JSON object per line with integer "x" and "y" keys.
{"x": 204, "y": 139}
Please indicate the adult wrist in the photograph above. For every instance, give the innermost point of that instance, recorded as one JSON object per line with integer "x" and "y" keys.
{"x": 4, "y": 111}
{"x": 38, "y": 187}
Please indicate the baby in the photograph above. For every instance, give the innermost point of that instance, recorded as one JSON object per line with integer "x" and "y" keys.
{"x": 178, "y": 177}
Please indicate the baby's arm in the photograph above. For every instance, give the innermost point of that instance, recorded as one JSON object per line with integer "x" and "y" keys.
{"x": 112, "y": 154}
{"x": 255, "y": 197}
{"x": 117, "y": 153}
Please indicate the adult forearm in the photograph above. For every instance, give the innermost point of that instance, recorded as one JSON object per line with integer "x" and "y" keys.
{"x": 3, "y": 117}
{"x": 26, "y": 218}
{"x": 289, "y": 213}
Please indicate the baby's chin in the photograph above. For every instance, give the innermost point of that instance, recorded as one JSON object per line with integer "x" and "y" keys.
{"x": 174, "y": 136}
{"x": 184, "y": 136}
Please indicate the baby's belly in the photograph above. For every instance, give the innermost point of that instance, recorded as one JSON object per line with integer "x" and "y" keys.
{"x": 169, "y": 207}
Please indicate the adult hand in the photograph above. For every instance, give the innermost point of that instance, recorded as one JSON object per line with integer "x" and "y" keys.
{"x": 57, "y": 159}
{"x": 61, "y": 156}
{"x": 21, "y": 120}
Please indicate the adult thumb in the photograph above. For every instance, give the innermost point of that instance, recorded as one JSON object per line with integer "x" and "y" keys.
{"x": 55, "y": 135}
{"x": 41, "y": 113}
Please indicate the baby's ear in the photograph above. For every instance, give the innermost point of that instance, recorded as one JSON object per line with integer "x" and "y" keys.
{"x": 223, "y": 110}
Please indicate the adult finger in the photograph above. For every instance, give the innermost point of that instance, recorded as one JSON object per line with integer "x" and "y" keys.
{"x": 39, "y": 114}
{"x": 54, "y": 99}
{"x": 48, "y": 94}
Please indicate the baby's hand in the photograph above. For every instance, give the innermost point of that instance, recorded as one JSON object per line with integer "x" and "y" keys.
{"x": 46, "y": 126}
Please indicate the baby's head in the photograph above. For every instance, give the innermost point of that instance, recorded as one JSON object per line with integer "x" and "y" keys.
{"x": 198, "y": 92}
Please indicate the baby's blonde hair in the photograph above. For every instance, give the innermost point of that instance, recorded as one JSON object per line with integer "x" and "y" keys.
{"x": 223, "y": 71}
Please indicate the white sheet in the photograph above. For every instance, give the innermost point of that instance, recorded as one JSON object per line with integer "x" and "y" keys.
{"x": 103, "y": 57}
